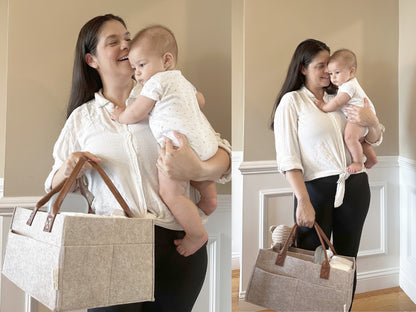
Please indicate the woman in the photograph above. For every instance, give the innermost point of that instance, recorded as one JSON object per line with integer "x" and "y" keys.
{"x": 102, "y": 78}
{"x": 311, "y": 153}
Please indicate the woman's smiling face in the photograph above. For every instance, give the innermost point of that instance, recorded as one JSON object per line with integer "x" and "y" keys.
{"x": 112, "y": 50}
{"x": 316, "y": 74}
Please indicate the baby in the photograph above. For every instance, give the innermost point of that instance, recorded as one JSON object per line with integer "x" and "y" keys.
{"x": 172, "y": 104}
{"x": 342, "y": 66}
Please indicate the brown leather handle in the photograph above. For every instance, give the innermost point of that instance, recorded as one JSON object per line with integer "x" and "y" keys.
{"x": 65, "y": 186}
{"x": 62, "y": 194}
{"x": 112, "y": 188}
{"x": 325, "y": 268}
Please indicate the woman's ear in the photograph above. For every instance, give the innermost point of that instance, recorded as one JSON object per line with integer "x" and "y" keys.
{"x": 302, "y": 69}
{"x": 168, "y": 60}
{"x": 90, "y": 59}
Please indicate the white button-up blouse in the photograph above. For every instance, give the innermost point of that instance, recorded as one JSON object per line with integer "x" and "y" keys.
{"x": 128, "y": 153}
{"x": 310, "y": 140}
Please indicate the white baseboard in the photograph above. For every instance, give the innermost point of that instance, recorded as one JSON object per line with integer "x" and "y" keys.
{"x": 408, "y": 285}
{"x": 235, "y": 262}
{"x": 377, "y": 279}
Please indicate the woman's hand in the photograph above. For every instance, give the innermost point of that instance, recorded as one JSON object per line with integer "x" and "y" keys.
{"x": 179, "y": 163}
{"x": 305, "y": 213}
{"x": 365, "y": 117}
{"x": 69, "y": 165}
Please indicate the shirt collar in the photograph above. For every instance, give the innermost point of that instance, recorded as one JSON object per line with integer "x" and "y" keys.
{"x": 307, "y": 91}
{"x": 101, "y": 101}
{"x": 311, "y": 95}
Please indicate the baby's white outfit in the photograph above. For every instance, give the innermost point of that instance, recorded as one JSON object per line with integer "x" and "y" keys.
{"x": 356, "y": 93}
{"x": 177, "y": 109}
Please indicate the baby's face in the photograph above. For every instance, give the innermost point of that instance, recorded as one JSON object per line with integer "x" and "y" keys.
{"x": 145, "y": 63}
{"x": 339, "y": 72}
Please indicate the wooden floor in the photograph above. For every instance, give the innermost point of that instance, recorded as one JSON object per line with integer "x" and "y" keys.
{"x": 391, "y": 299}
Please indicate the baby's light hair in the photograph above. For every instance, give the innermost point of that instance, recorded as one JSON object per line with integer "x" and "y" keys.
{"x": 161, "y": 39}
{"x": 346, "y": 56}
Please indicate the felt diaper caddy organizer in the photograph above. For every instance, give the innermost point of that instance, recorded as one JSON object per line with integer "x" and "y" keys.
{"x": 71, "y": 261}
{"x": 288, "y": 279}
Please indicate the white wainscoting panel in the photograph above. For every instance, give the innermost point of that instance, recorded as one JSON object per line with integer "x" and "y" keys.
{"x": 237, "y": 209}
{"x": 215, "y": 295}
{"x": 273, "y": 210}
{"x": 267, "y": 200}
{"x": 408, "y": 227}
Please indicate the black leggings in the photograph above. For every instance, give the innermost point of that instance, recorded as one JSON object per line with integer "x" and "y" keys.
{"x": 178, "y": 279}
{"x": 345, "y": 222}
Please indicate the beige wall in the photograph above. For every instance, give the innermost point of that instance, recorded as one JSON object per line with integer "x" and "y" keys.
{"x": 3, "y": 79}
{"x": 407, "y": 79}
{"x": 273, "y": 28}
{"x": 41, "y": 40}
{"x": 237, "y": 72}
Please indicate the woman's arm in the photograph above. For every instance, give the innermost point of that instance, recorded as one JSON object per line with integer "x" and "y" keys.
{"x": 305, "y": 213}
{"x": 181, "y": 163}
{"x": 69, "y": 164}
{"x": 365, "y": 117}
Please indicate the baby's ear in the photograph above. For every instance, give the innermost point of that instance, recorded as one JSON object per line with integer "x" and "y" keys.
{"x": 168, "y": 60}
{"x": 353, "y": 69}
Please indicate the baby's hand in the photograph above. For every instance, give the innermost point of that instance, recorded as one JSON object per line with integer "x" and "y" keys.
{"x": 115, "y": 115}
{"x": 320, "y": 104}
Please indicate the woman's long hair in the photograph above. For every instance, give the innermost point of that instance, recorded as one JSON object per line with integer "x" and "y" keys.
{"x": 304, "y": 54}
{"x": 85, "y": 79}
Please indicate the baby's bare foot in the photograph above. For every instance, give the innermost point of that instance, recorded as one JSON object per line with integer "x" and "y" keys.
{"x": 370, "y": 163}
{"x": 354, "y": 167}
{"x": 190, "y": 244}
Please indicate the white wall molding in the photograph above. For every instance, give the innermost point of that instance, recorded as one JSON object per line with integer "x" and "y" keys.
{"x": 406, "y": 163}
{"x": 216, "y": 291}
{"x": 387, "y": 162}
{"x": 237, "y": 208}
{"x": 264, "y": 196}
{"x": 408, "y": 226}
{"x": 213, "y": 274}
{"x": 1, "y": 187}
{"x": 258, "y": 167}
{"x": 235, "y": 260}
{"x": 380, "y": 188}
{"x": 377, "y": 279}
{"x": 7, "y": 204}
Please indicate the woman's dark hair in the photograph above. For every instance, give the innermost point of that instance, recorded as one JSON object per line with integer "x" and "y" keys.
{"x": 85, "y": 79}
{"x": 304, "y": 54}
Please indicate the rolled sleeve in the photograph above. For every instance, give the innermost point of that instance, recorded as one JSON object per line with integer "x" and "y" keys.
{"x": 64, "y": 146}
{"x": 288, "y": 156}
{"x": 380, "y": 140}
{"x": 225, "y": 145}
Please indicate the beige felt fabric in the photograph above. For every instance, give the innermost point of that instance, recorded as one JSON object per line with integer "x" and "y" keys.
{"x": 297, "y": 285}
{"x": 86, "y": 261}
